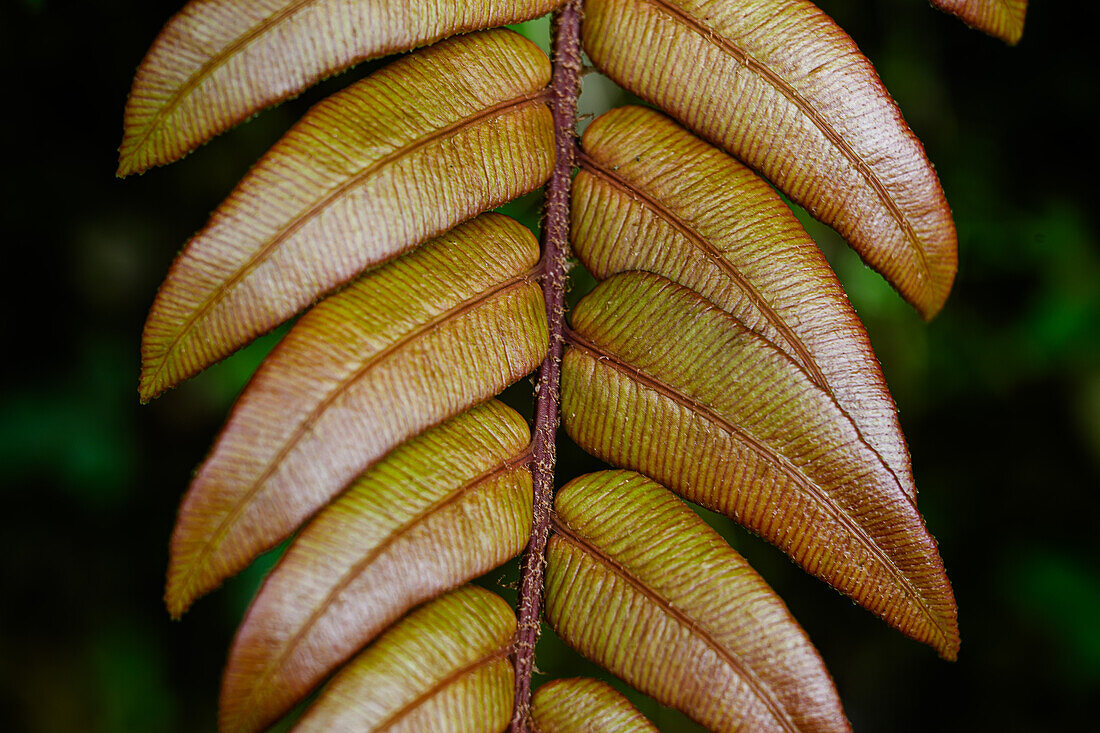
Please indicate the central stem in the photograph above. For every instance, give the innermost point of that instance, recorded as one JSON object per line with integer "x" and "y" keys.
{"x": 564, "y": 90}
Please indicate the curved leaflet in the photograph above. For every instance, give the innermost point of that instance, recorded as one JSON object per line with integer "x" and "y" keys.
{"x": 217, "y": 62}
{"x": 779, "y": 85}
{"x": 580, "y": 705}
{"x": 442, "y": 668}
{"x": 640, "y": 584}
{"x": 439, "y": 510}
{"x": 652, "y": 196}
{"x": 353, "y": 184}
{"x": 660, "y": 380}
{"x": 1002, "y": 19}
{"x": 403, "y": 348}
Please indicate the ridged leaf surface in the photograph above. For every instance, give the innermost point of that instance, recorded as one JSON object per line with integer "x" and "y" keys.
{"x": 217, "y": 62}
{"x": 782, "y": 87}
{"x": 401, "y": 349}
{"x": 444, "y": 668}
{"x": 652, "y": 196}
{"x": 1003, "y": 19}
{"x": 584, "y": 706}
{"x": 640, "y": 584}
{"x": 662, "y": 381}
{"x": 355, "y": 183}
{"x": 436, "y": 512}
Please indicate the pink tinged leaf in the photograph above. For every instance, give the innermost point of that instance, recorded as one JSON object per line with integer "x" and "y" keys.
{"x": 429, "y": 141}
{"x": 782, "y": 87}
{"x": 218, "y": 62}
{"x": 582, "y": 705}
{"x": 652, "y": 196}
{"x": 441, "y": 509}
{"x": 637, "y": 582}
{"x": 444, "y": 668}
{"x": 1002, "y": 19}
{"x": 401, "y": 349}
{"x": 662, "y": 381}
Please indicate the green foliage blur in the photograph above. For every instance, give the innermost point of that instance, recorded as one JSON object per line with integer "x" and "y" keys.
{"x": 999, "y": 396}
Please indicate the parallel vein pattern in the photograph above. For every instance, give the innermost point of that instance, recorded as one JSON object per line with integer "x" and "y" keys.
{"x": 353, "y": 184}
{"x": 438, "y": 511}
{"x": 217, "y": 62}
{"x": 1003, "y": 19}
{"x": 442, "y": 668}
{"x": 779, "y": 85}
{"x": 640, "y": 584}
{"x": 579, "y": 705}
{"x": 652, "y": 196}
{"x": 401, "y": 349}
{"x": 662, "y": 381}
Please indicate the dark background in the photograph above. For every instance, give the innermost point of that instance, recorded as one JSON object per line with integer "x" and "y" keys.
{"x": 999, "y": 396}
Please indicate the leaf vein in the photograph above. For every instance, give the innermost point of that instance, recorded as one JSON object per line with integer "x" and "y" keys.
{"x": 794, "y": 97}
{"x": 339, "y": 389}
{"x": 768, "y": 454}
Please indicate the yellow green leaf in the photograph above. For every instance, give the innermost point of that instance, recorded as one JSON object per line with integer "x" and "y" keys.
{"x": 637, "y": 582}
{"x": 584, "y": 706}
{"x": 441, "y": 509}
{"x": 778, "y": 84}
{"x": 431, "y": 140}
{"x": 401, "y": 349}
{"x": 660, "y": 380}
{"x": 652, "y": 196}
{"x": 444, "y": 669}
{"x": 1002, "y": 19}
{"x": 217, "y": 62}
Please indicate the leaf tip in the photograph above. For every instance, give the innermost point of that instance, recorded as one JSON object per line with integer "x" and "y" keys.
{"x": 125, "y": 168}
{"x": 1001, "y": 19}
{"x": 180, "y": 589}
{"x": 148, "y": 389}
{"x": 176, "y": 606}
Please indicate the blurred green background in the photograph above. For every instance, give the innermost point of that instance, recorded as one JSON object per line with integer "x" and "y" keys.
{"x": 999, "y": 396}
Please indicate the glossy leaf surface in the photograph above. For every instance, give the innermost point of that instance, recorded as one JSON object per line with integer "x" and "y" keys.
{"x": 217, "y": 62}
{"x": 401, "y": 349}
{"x": 779, "y": 85}
{"x": 439, "y": 510}
{"x": 640, "y": 584}
{"x": 355, "y": 183}
{"x": 443, "y": 668}
{"x": 662, "y": 381}
{"x": 652, "y": 196}
{"x": 584, "y": 706}
{"x": 1003, "y": 19}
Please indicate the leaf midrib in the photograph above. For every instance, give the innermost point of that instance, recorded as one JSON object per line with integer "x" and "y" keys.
{"x": 463, "y": 490}
{"x": 197, "y": 314}
{"x": 809, "y": 488}
{"x": 794, "y": 97}
{"x": 760, "y": 689}
{"x": 441, "y": 685}
{"x": 802, "y": 357}
{"x": 214, "y": 62}
{"x": 215, "y": 539}
{"x": 594, "y": 166}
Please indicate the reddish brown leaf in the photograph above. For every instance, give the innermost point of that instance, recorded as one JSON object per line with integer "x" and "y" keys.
{"x": 779, "y": 85}
{"x": 401, "y": 349}
{"x": 662, "y": 381}
{"x": 217, "y": 62}
{"x": 640, "y": 584}
{"x": 438, "y": 511}
{"x": 427, "y": 142}
{"x": 652, "y": 196}
{"x": 584, "y": 706}
{"x": 1003, "y": 19}
{"x": 442, "y": 669}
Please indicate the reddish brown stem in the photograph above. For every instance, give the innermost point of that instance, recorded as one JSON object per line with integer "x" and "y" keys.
{"x": 564, "y": 90}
